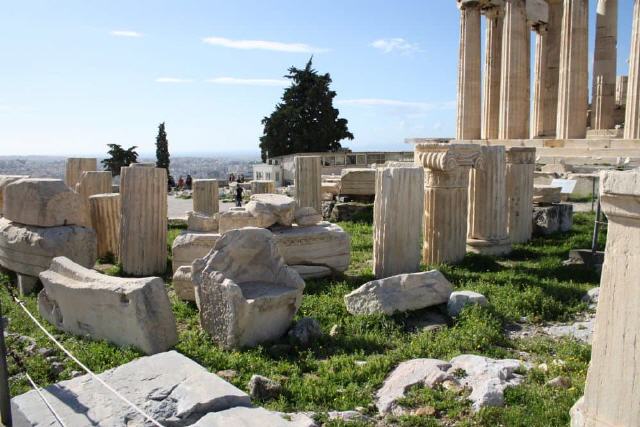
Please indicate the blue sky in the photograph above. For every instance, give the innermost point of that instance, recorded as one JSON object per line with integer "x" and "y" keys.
{"x": 77, "y": 75}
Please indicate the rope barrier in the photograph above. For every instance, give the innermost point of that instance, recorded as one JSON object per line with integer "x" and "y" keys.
{"x": 79, "y": 363}
{"x": 38, "y": 390}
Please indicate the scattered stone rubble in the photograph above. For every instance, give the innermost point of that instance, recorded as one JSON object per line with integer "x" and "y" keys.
{"x": 486, "y": 378}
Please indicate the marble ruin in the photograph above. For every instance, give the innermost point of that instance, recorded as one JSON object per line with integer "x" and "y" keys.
{"x": 75, "y": 167}
{"x": 246, "y": 293}
{"x": 488, "y": 208}
{"x": 447, "y": 168}
{"x": 263, "y": 187}
{"x": 397, "y": 214}
{"x": 611, "y": 391}
{"x": 105, "y": 220}
{"x": 92, "y": 183}
{"x": 143, "y": 226}
{"x": 519, "y": 188}
{"x": 205, "y": 196}
{"x": 4, "y": 181}
{"x": 86, "y": 303}
{"x": 308, "y": 179}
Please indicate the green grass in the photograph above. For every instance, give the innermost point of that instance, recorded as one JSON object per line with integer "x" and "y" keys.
{"x": 530, "y": 283}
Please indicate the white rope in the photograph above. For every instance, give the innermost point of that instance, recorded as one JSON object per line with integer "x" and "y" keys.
{"x": 44, "y": 399}
{"x": 94, "y": 376}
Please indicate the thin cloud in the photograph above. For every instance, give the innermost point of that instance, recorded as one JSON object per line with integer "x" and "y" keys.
{"x": 248, "y": 82}
{"x": 395, "y": 45}
{"x": 394, "y": 103}
{"x": 172, "y": 80}
{"x": 262, "y": 45}
{"x": 125, "y": 33}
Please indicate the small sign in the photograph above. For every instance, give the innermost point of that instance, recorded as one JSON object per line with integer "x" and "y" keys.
{"x": 568, "y": 185}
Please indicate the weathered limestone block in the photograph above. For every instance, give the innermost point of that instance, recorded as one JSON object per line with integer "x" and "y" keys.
{"x": 249, "y": 417}
{"x": 105, "y": 220}
{"x": 247, "y": 294}
{"x": 461, "y": 299}
{"x": 182, "y": 284}
{"x": 308, "y": 179}
{"x": 351, "y": 211}
{"x": 271, "y": 209}
{"x": 29, "y": 250}
{"x": 189, "y": 246}
{"x": 397, "y": 219}
{"x": 263, "y": 187}
{"x": 446, "y": 198}
{"x": 205, "y": 196}
{"x": 4, "y": 181}
{"x": 170, "y": 387}
{"x": 488, "y": 209}
{"x": 126, "y": 312}
{"x": 546, "y": 194}
{"x": 236, "y": 218}
{"x": 358, "y": 182}
{"x": 404, "y": 292}
{"x": 323, "y": 245}
{"x": 44, "y": 202}
{"x": 94, "y": 182}
{"x": 520, "y": 178}
{"x": 565, "y": 217}
{"x": 546, "y": 220}
{"x": 200, "y": 222}
{"x": 74, "y": 168}
{"x": 611, "y": 390}
{"x": 143, "y": 228}
{"x": 306, "y": 217}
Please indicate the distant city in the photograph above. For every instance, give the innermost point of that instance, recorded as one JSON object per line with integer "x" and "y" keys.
{"x": 197, "y": 167}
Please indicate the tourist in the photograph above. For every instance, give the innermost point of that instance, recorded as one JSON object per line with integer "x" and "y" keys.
{"x": 189, "y": 181}
{"x": 180, "y": 183}
{"x": 171, "y": 183}
{"x": 239, "y": 191}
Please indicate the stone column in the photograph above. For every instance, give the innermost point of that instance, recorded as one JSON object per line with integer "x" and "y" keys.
{"x": 604, "y": 65}
{"x": 573, "y": 89}
{"x": 308, "y": 180}
{"x": 74, "y": 168}
{"x": 515, "y": 84}
{"x": 143, "y": 228}
{"x": 94, "y": 182}
{"x": 492, "y": 70}
{"x": 622, "y": 83}
{"x": 397, "y": 217}
{"x": 205, "y": 196}
{"x": 487, "y": 220}
{"x": 611, "y": 391}
{"x": 632, "y": 116}
{"x": 547, "y": 64}
{"x": 469, "y": 70}
{"x": 521, "y": 164}
{"x": 105, "y": 220}
{"x": 446, "y": 198}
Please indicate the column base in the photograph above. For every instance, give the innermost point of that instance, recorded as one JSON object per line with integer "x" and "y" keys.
{"x": 489, "y": 247}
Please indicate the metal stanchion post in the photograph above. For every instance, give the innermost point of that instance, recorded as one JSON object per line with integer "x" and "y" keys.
{"x": 5, "y": 396}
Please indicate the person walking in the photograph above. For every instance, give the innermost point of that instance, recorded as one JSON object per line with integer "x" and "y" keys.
{"x": 239, "y": 191}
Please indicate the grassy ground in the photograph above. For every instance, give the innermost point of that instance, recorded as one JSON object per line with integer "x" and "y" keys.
{"x": 531, "y": 286}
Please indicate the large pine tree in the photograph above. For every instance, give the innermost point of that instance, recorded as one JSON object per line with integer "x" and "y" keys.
{"x": 162, "y": 148}
{"x": 305, "y": 120}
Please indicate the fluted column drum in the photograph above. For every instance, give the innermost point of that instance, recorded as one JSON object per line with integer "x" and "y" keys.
{"x": 308, "y": 179}
{"x": 205, "y": 196}
{"x": 105, "y": 220}
{"x": 143, "y": 229}
{"x": 521, "y": 164}
{"x": 397, "y": 220}
{"x": 74, "y": 167}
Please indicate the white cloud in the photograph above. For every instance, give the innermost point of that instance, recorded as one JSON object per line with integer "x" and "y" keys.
{"x": 172, "y": 80}
{"x": 394, "y": 103}
{"x": 248, "y": 82}
{"x": 125, "y": 33}
{"x": 395, "y": 45}
{"x": 262, "y": 45}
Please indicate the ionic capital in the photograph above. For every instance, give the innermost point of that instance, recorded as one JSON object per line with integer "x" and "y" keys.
{"x": 448, "y": 157}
